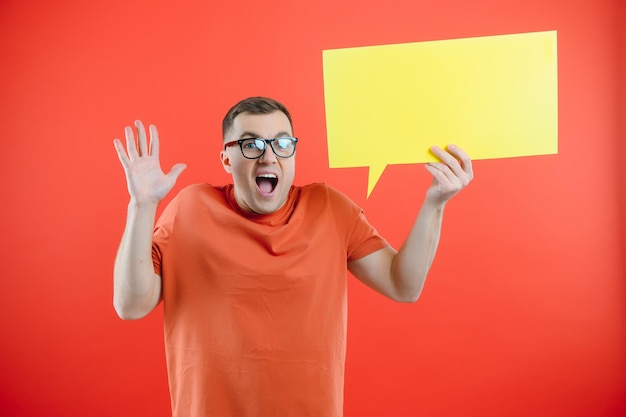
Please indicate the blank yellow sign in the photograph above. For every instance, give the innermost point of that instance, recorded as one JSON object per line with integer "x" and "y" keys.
{"x": 494, "y": 96}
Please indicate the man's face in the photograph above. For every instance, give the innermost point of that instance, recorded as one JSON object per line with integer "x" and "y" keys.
{"x": 261, "y": 185}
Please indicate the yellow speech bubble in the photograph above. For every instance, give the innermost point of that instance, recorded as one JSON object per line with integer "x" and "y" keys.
{"x": 493, "y": 96}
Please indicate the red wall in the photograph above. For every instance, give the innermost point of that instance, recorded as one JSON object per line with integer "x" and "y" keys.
{"x": 620, "y": 112}
{"x": 524, "y": 313}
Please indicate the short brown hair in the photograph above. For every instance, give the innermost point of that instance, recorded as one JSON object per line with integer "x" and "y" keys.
{"x": 254, "y": 105}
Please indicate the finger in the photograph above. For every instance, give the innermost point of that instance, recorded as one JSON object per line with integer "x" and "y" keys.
{"x": 141, "y": 138}
{"x": 435, "y": 172}
{"x": 442, "y": 173}
{"x": 131, "y": 146}
{"x": 154, "y": 141}
{"x": 121, "y": 153}
{"x": 463, "y": 172}
{"x": 466, "y": 161}
{"x": 445, "y": 157}
{"x": 457, "y": 176}
{"x": 176, "y": 171}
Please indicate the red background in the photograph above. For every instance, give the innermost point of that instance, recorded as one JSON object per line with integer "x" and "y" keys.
{"x": 524, "y": 313}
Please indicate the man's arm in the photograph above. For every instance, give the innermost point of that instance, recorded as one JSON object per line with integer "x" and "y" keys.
{"x": 136, "y": 287}
{"x": 401, "y": 275}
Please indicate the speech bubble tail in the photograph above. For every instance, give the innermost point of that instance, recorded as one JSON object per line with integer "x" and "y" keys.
{"x": 375, "y": 171}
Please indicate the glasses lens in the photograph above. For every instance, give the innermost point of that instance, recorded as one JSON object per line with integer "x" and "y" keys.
{"x": 253, "y": 148}
{"x": 284, "y": 147}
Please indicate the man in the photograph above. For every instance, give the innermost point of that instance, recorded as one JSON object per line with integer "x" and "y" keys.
{"x": 253, "y": 274}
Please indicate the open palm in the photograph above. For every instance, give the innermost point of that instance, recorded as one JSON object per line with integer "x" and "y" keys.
{"x": 147, "y": 183}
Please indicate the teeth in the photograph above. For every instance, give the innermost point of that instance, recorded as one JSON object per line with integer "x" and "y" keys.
{"x": 267, "y": 176}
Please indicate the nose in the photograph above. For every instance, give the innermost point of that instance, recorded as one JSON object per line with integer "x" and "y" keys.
{"x": 268, "y": 157}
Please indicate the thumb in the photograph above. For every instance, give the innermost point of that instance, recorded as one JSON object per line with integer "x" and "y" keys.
{"x": 176, "y": 171}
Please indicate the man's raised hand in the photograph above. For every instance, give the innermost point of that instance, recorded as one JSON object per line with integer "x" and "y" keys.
{"x": 147, "y": 183}
{"x": 453, "y": 173}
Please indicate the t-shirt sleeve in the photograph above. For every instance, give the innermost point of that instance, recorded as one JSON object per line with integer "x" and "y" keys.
{"x": 162, "y": 234}
{"x": 362, "y": 238}
{"x": 157, "y": 255}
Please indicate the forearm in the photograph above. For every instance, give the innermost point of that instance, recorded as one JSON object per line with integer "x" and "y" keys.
{"x": 412, "y": 262}
{"x": 136, "y": 288}
{"x": 401, "y": 275}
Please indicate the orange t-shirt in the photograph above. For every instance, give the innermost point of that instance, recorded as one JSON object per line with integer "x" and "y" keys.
{"x": 255, "y": 306}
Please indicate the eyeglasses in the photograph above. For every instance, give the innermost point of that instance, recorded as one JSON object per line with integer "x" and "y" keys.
{"x": 254, "y": 148}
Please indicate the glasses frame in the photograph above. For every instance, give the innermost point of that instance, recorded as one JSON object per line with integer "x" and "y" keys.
{"x": 269, "y": 142}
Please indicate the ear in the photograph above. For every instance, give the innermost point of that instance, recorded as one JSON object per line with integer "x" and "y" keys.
{"x": 226, "y": 161}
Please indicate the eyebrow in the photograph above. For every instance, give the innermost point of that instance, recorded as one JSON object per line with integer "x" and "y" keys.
{"x": 255, "y": 135}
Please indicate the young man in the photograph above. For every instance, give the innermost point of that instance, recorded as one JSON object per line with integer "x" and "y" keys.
{"x": 253, "y": 274}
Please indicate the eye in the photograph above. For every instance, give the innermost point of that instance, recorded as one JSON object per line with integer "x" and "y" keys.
{"x": 253, "y": 144}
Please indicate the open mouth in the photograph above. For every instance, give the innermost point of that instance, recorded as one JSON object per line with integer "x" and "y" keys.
{"x": 266, "y": 183}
